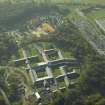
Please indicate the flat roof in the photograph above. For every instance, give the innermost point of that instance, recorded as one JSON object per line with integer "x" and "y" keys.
{"x": 44, "y": 78}
{"x": 42, "y": 63}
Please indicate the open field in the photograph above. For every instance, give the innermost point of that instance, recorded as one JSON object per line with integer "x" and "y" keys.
{"x": 41, "y": 74}
{"x": 24, "y": 11}
{"x": 59, "y": 1}
{"x": 56, "y": 72}
{"x": 96, "y": 14}
{"x": 89, "y": 1}
{"x": 54, "y": 61}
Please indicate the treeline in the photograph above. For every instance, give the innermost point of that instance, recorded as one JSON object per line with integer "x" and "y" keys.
{"x": 15, "y": 16}
{"x": 7, "y": 48}
{"x": 89, "y": 89}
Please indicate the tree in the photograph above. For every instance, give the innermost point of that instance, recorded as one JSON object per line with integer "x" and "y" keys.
{"x": 7, "y": 47}
{"x": 101, "y": 102}
{"x": 92, "y": 79}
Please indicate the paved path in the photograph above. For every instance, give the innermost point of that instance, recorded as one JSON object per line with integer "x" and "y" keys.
{"x": 41, "y": 51}
{"x": 62, "y": 69}
{"x": 48, "y": 70}
{"x": 5, "y": 97}
{"x": 32, "y": 73}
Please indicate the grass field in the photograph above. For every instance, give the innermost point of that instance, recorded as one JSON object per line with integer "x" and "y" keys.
{"x": 58, "y": 1}
{"x": 89, "y": 1}
{"x": 62, "y": 1}
{"x": 31, "y": 50}
{"x": 41, "y": 74}
{"x": 96, "y": 14}
{"x": 67, "y": 54}
{"x": 61, "y": 84}
{"x": 56, "y": 72}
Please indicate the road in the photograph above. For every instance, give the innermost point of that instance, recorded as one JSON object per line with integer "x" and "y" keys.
{"x": 90, "y": 33}
{"x": 5, "y": 97}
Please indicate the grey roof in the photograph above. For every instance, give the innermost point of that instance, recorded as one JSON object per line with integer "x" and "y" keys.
{"x": 72, "y": 75}
{"x": 59, "y": 62}
{"x": 62, "y": 62}
{"x": 60, "y": 76}
{"x": 50, "y": 51}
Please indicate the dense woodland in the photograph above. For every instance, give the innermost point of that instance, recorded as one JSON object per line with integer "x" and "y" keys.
{"x": 7, "y": 48}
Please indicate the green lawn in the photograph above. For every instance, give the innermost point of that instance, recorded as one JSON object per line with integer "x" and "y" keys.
{"x": 47, "y": 45}
{"x": 41, "y": 74}
{"x": 18, "y": 55}
{"x": 88, "y": 1}
{"x": 96, "y": 14}
{"x": 33, "y": 64}
{"x": 56, "y": 72}
{"x": 66, "y": 53}
{"x": 30, "y": 50}
{"x": 61, "y": 84}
